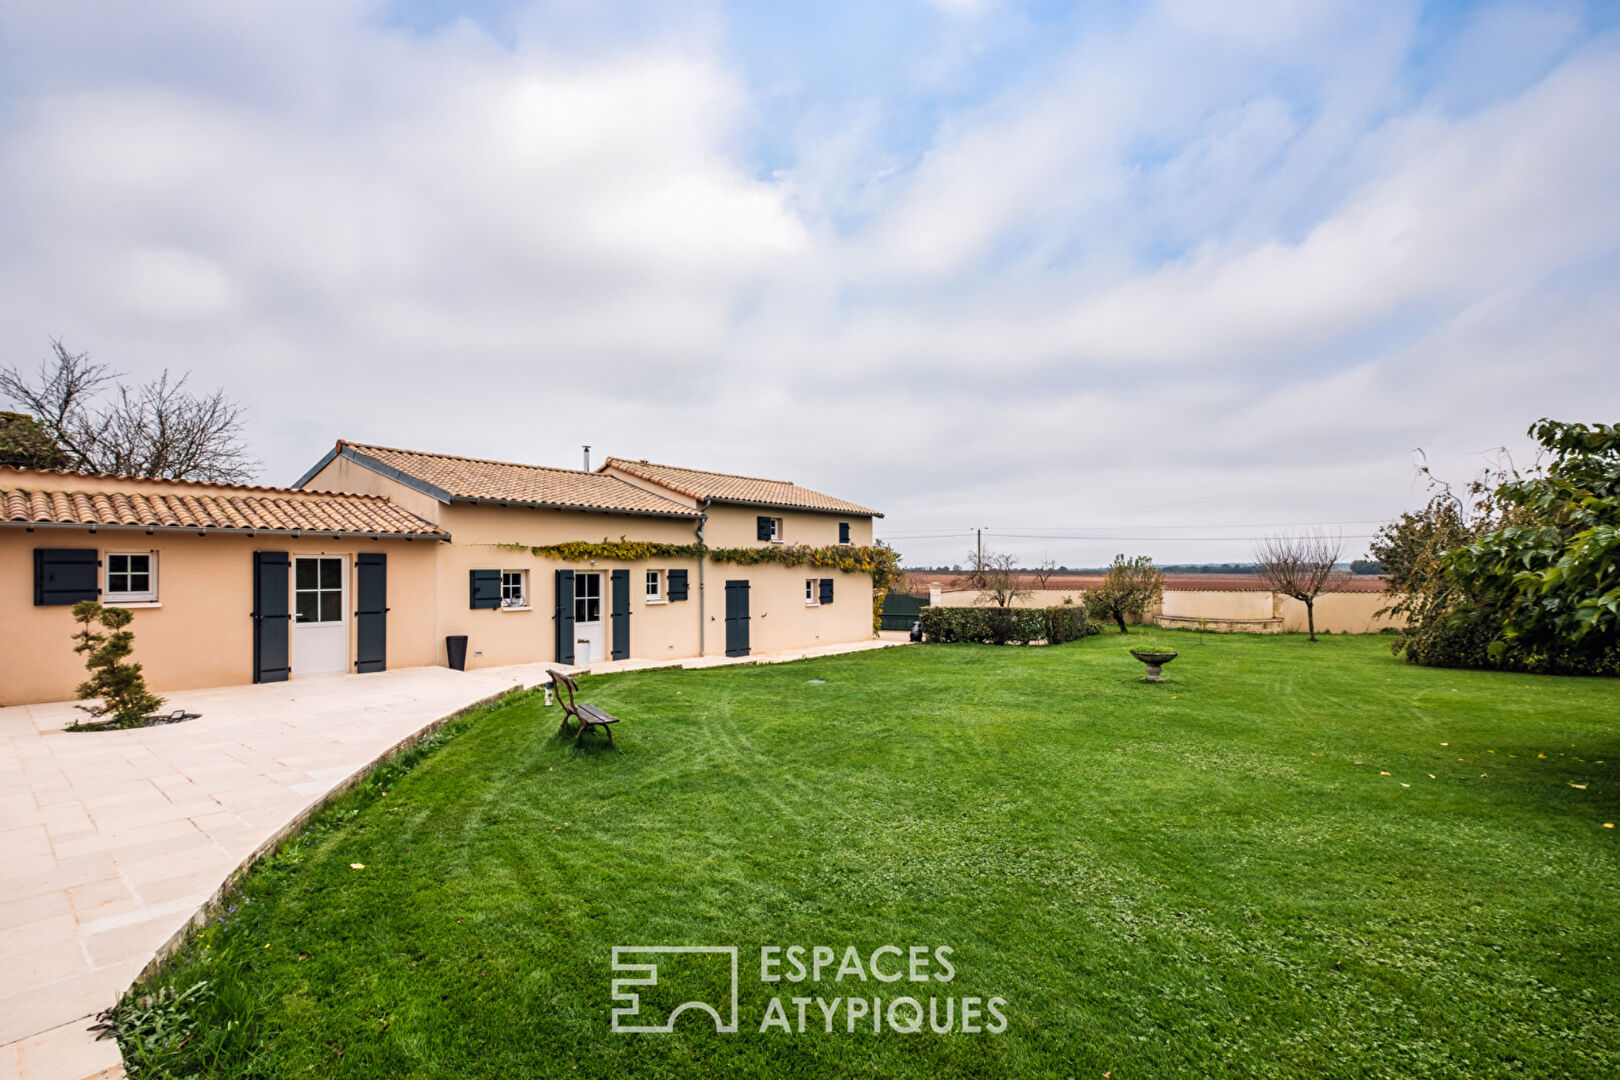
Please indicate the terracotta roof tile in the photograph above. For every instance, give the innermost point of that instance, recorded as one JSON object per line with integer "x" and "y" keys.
{"x": 255, "y": 509}
{"x": 536, "y": 485}
{"x": 727, "y": 487}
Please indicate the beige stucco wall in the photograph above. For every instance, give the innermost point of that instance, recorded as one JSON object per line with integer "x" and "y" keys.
{"x": 201, "y": 634}
{"x": 1035, "y": 598}
{"x": 738, "y": 526}
{"x": 1218, "y": 604}
{"x": 1342, "y": 613}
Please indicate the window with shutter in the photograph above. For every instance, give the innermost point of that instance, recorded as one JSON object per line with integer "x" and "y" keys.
{"x": 765, "y": 528}
{"x": 843, "y": 532}
{"x": 484, "y": 589}
{"x": 677, "y": 585}
{"x": 826, "y": 590}
{"x": 66, "y": 575}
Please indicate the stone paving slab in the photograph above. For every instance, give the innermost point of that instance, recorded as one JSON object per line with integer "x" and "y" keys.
{"x": 111, "y": 842}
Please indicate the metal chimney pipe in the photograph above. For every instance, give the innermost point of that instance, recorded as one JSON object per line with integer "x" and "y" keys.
{"x": 587, "y": 457}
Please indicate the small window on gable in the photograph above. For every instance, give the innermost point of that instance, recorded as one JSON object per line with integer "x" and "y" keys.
{"x": 811, "y": 592}
{"x": 514, "y": 588}
{"x": 131, "y": 577}
{"x": 655, "y": 585}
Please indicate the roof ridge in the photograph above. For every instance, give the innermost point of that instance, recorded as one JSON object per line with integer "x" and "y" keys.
{"x": 219, "y": 484}
{"x": 705, "y": 472}
{"x": 362, "y": 447}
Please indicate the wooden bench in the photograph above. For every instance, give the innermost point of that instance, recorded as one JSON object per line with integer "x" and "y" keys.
{"x": 588, "y": 716}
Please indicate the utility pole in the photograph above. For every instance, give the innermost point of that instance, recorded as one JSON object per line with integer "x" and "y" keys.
{"x": 978, "y": 559}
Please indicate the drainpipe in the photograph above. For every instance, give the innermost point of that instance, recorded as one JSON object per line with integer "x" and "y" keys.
{"x": 703, "y": 622}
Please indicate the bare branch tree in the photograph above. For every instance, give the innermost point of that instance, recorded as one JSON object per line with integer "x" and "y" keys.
{"x": 60, "y": 398}
{"x": 157, "y": 429}
{"x": 1303, "y": 567}
{"x": 998, "y": 581}
{"x": 1044, "y": 572}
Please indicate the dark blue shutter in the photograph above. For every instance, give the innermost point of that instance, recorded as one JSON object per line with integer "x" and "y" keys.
{"x": 65, "y": 576}
{"x": 271, "y": 616}
{"x": 826, "y": 590}
{"x": 843, "y": 532}
{"x": 564, "y": 616}
{"x": 763, "y": 527}
{"x": 677, "y": 585}
{"x": 736, "y": 618}
{"x": 484, "y": 587}
{"x": 371, "y": 612}
{"x": 621, "y": 615}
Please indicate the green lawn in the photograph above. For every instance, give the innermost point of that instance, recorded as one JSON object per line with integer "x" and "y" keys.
{"x": 1289, "y": 860}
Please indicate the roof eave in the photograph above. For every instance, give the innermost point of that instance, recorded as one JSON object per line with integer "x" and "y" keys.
{"x": 96, "y": 526}
{"x": 854, "y": 511}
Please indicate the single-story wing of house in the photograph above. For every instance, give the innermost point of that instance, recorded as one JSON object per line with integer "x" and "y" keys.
{"x": 380, "y": 557}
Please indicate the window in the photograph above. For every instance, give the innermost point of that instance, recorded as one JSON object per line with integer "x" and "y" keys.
{"x": 843, "y": 532}
{"x": 587, "y": 598}
{"x": 768, "y": 528}
{"x": 132, "y": 576}
{"x": 811, "y": 590}
{"x": 655, "y": 587}
{"x": 318, "y": 590}
{"x": 776, "y": 529}
{"x": 514, "y": 588}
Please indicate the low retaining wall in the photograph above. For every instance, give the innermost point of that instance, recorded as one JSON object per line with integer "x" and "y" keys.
{"x": 1226, "y": 610}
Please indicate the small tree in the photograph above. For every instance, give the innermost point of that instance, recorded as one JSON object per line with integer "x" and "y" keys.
{"x": 997, "y": 580}
{"x": 23, "y": 441}
{"x": 120, "y": 686}
{"x": 1130, "y": 587}
{"x": 1303, "y": 566}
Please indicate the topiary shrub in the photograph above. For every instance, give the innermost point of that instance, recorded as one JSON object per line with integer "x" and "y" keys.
{"x": 125, "y": 701}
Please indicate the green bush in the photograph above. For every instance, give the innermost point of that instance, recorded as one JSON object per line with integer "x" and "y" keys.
{"x": 1068, "y": 623}
{"x": 999, "y": 625}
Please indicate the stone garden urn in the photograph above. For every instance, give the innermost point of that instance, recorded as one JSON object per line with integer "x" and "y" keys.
{"x": 1155, "y": 662}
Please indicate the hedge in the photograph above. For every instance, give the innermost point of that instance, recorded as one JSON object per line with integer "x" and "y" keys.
{"x": 999, "y": 625}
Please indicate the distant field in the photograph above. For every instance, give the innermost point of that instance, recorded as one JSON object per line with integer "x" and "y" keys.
{"x": 919, "y": 579}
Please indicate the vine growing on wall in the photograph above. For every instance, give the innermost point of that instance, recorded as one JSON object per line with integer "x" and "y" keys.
{"x": 880, "y": 560}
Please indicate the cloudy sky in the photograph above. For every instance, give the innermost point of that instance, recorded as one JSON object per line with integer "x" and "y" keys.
{"x": 1098, "y": 277}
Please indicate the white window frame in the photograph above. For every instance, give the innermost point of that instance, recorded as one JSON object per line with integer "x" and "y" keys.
{"x": 654, "y": 587}
{"x": 523, "y": 595}
{"x": 776, "y": 530}
{"x": 812, "y": 592}
{"x": 148, "y": 595}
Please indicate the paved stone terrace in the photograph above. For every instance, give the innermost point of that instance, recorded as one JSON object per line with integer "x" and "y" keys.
{"x": 111, "y": 841}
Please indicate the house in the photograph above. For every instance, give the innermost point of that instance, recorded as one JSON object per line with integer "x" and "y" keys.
{"x": 377, "y": 556}
{"x": 230, "y": 583}
{"x": 630, "y": 561}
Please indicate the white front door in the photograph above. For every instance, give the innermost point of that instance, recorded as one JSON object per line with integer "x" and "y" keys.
{"x": 320, "y": 631}
{"x": 590, "y": 636}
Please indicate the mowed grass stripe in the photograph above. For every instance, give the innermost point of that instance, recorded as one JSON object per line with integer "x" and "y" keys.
{"x": 1187, "y": 879}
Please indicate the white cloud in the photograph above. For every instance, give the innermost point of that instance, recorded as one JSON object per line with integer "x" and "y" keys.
{"x": 1195, "y": 269}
